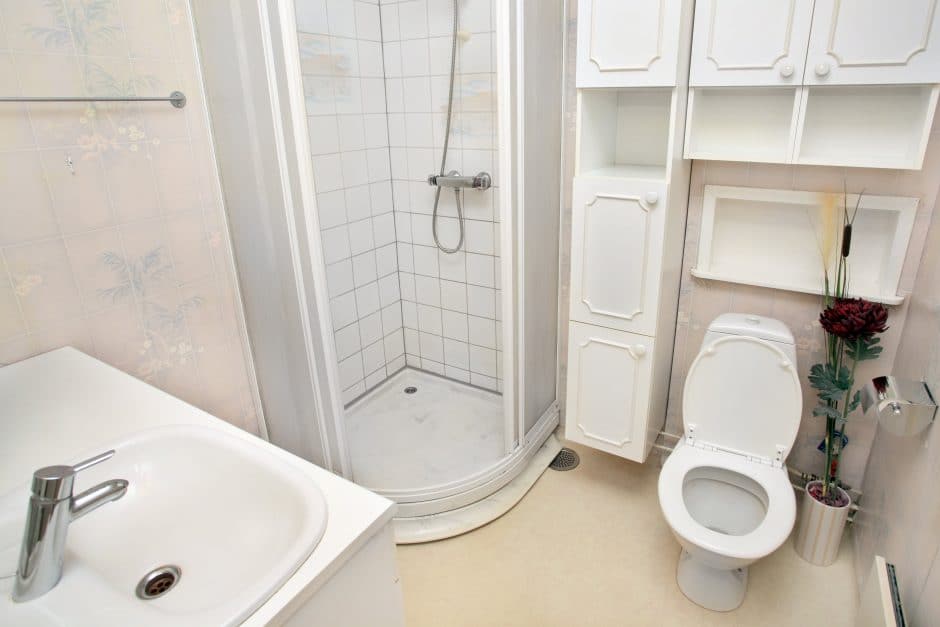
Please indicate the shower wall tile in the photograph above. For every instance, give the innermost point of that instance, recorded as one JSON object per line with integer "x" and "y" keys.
{"x": 112, "y": 231}
{"x": 448, "y": 290}
{"x": 343, "y": 68}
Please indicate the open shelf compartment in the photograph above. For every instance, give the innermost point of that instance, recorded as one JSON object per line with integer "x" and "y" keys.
{"x": 624, "y": 133}
{"x": 882, "y": 126}
{"x": 769, "y": 238}
{"x": 741, "y": 123}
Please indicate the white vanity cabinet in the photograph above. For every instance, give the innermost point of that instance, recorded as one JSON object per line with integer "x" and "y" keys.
{"x": 632, "y": 43}
{"x": 743, "y": 42}
{"x": 609, "y": 375}
{"x": 869, "y": 42}
{"x": 616, "y": 252}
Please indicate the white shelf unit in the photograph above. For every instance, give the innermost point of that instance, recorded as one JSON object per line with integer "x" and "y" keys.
{"x": 865, "y": 126}
{"x": 624, "y": 133}
{"x": 742, "y": 123}
{"x": 769, "y": 238}
{"x": 873, "y": 126}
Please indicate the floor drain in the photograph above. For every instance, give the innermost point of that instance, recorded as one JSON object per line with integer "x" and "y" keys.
{"x": 158, "y": 582}
{"x": 410, "y": 389}
{"x": 565, "y": 460}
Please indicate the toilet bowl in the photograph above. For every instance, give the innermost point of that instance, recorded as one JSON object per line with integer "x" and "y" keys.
{"x": 724, "y": 490}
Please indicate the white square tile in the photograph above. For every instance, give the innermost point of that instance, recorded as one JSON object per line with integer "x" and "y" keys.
{"x": 454, "y": 325}
{"x": 355, "y": 168}
{"x": 394, "y": 98}
{"x": 440, "y": 18}
{"x": 425, "y": 261}
{"x": 352, "y": 135}
{"x": 421, "y": 229}
{"x": 482, "y": 331}
{"x": 396, "y": 132}
{"x": 367, "y": 22}
{"x": 327, "y": 172}
{"x": 311, "y": 16}
{"x": 401, "y": 193}
{"x": 405, "y": 258}
{"x": 381, "y": 194}
{"x": 370, "y": 328}
{"x": 418, "y": 127}
{"x": 358, "y": 203}
{"x": 429, "y": 319}
{"x": 394, "y": 348}
{"x": 475, "y": 54}
{"x": 344, "y": 57}
{"x": 386, "y": 260}
{"x": 453, "y": 266}
{"x": 360, "y": 236}
{"x": 432, "y": 366}
{"x": 417, "y": 94}
{"x": 339, "y": 278}
{"x": 335, "y": 244}
{"x": 347, "y": 341}
{"x": 342, "y": 18}
{"x": 350, "y": 370}
{"x": 373, "y": 357}
{"x": 347, "y": 94}
{"x": 319, "y": 96}
{"x": 391, "y": 318}
{"x": 413, "y": 361}
{"x": 483, "y": 361}
{"x": 376, "y": 130}
{"x": 480, "y": 270}
{"x": 343, "y": 310}
{"x": 456, "y": 354}
{"x": 483, "y": 381}
{"x": 383, "y": 227}
{"x": 373, "y": 95}
{"x": 428, "y": 290}
{"x": 353, "y": 392}
{"x": 403, "y": 227}
{"x": 364, "y": 270}
{"x": 414, "y": 57}
{"x": 479, "y": 237}
{"x": 389, "y": 291}
{"x": 454, "y": 296}
{"x": 420, "y": 165}
{"x": 481, "y": 301}
{"x": 367, "y": 299}
{"x": 412, "y": 341}
{"x": 406, "y": 283}
{"x": 323, "y": 133}
{"x": 432, "y": 347}
{"x": 398, "y": 162}
{"x": 397, "y": 363}
{"x": 390, "y": 30}
{"x": 409, "y": 314}
{"x": 475, "y": 16}
{"x": 378, "y": 165}
{"x": 413, "y": 19}
{"x": 439, "y": 48}
{"x": 375, "y": 378}
{"x": 331, "y": 209}
{"x": 458, "y": 374}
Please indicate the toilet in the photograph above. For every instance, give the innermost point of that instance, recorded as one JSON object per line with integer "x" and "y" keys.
{"x": 724, "y": 490}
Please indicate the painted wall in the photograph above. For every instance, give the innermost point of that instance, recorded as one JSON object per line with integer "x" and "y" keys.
{"x": 112, "y": 231}
{"x": 900, "y": 506}
{"x": 450, "y": 303}
{"x": 343, "y": 75}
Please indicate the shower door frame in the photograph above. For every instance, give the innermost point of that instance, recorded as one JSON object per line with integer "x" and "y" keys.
{"x": 285, "y": 82}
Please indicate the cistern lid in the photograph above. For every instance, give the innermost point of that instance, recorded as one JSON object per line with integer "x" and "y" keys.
{"x": 742, "y": 394}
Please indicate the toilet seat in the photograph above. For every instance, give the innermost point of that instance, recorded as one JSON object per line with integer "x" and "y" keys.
{"x": 772, "y": 531}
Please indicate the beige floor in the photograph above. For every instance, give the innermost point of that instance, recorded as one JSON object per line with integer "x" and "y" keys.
{"x": 589, "y": 548}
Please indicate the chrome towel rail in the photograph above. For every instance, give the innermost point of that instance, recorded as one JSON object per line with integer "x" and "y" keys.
{"x": 177, "y": 99}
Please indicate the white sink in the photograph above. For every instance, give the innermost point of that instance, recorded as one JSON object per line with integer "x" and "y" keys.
{"x": 236, "y": 519}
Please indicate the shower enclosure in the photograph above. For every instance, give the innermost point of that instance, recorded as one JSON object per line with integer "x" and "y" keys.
{"x": 402, "y": 312}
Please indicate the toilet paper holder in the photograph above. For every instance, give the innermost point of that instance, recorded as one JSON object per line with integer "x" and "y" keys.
{"x": 904, "y": 407}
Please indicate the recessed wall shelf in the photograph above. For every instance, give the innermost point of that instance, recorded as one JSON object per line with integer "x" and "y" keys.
{"x": 768, "y": 238}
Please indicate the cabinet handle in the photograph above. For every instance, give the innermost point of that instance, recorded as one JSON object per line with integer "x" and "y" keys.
{"x": 639, "y": 350}
{"x": 786, "y": 71}
{"x": 652, "y": 198}
{"x": 822, "y": 69}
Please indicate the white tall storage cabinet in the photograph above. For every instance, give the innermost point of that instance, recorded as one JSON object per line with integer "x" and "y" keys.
{"x": 630, "y": 198}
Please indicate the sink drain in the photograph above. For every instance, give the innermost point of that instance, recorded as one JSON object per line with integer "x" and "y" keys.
{"x": 158, "y": 582}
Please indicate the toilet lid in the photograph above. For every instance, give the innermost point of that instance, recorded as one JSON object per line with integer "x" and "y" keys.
{"x": 743, "y": 394}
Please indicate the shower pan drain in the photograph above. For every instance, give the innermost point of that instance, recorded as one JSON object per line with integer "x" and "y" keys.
{"x": 158, "y": 582}
{"x": 410, "y": 389}
{"x": 565, "y": 460}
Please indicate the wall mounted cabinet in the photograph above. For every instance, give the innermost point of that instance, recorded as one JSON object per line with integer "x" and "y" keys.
{"x": 631, "y": 43}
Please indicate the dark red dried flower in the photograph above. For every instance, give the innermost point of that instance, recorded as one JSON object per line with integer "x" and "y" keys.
{"x": 854, "y": 318}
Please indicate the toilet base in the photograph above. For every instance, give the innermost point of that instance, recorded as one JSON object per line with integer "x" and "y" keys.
{"x": 712, "y": 588}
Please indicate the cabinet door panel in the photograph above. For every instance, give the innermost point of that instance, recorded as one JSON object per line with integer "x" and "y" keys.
{"x": 623, "y": 44}
{"x": 616, "y": 253}
{"x": 750, "y": 42}
{"x": 873, "y": 41}
{"x": 608, "y": 390}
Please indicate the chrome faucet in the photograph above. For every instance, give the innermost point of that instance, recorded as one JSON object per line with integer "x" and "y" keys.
{"x": 51, "y": 508}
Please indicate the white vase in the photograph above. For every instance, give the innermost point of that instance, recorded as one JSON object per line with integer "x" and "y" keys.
{"x": 820, "y": 529}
